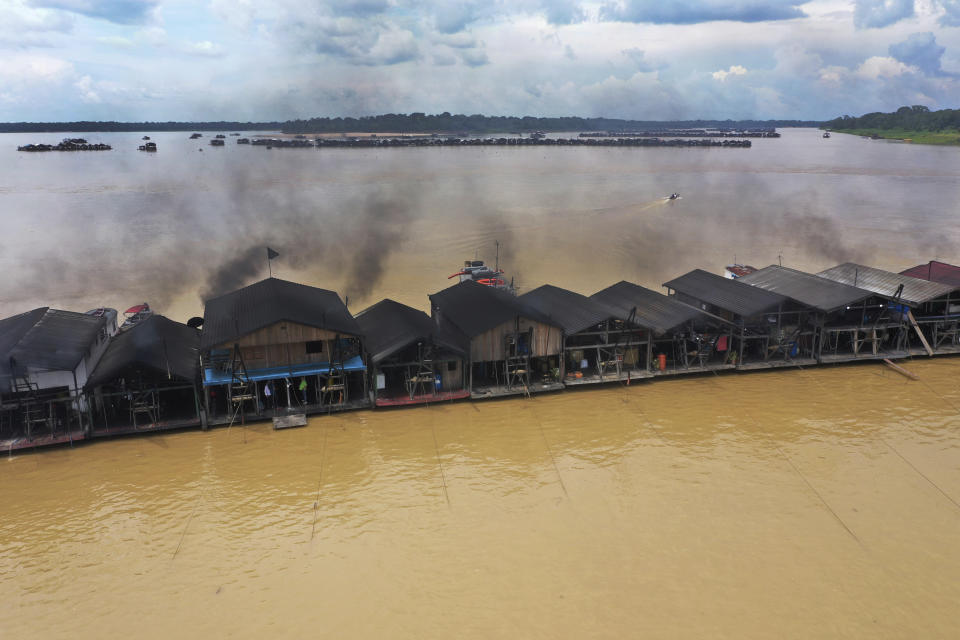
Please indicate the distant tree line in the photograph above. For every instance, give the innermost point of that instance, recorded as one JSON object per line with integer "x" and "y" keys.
{"x": 410, "y": 123}
{"x": 476, "y": 123}
{"x": 915, "y": 118}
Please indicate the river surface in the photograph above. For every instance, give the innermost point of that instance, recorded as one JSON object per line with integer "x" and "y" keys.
{"x": 794, "y": 504}
{"x": 116, "y": 228}
{"x": 791, "y": 504}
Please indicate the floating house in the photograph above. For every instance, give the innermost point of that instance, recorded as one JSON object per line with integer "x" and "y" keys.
{"x": 277, "y": 347}
{"x": 411, "y": 359}
{"x": 600, "y": 343}
{"x": 679, "y": 337}
{"x": 927, "y": 311}
{"x": 46, "y": 356}
{"x": 761, "y": 322}
{"x": 146, "y": 379}
{"x": 512, "y": 347}
{"x": 832, "y": 321}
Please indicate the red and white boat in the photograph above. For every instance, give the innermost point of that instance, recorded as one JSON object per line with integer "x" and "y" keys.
{"x": 135, "y": 314}
{"x": 479, "y": 272}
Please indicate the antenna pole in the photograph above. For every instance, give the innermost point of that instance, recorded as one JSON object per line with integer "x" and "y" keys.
{"x": 496, "y": 266}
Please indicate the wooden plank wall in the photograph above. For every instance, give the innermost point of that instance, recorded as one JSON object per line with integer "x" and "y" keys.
{"x": 283, "y": 343}
{"x": 489, "y": 346}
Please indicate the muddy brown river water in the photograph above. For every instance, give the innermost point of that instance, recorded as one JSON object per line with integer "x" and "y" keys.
{"x": 796, "y": 504}
{"x": 814, "y": 503}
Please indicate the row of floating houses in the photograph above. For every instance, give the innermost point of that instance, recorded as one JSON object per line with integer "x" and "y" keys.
{"x": 281, "y": 350}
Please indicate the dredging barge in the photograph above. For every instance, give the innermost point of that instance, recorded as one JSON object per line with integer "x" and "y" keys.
{"x": 278, "y": 350}
{"x": 67, "y": 144}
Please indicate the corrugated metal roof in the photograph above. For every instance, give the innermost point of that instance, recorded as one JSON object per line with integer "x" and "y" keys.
{"x": 572, "y": 311}
{"x": 935, "y": 272}
{"x": 269, "y": 301}
{"x": 654, "y": 310}
{"x": 12, "y": 329}
{"x": 474, "y": 308}
{"x": 806, "y": 288}
{"x": 726, "y": 294}
{"x": 389, "y": 326}
{"x": 56, "y": 340}
{"x": 156, "y": 343}
{"x": 885, "y": 283}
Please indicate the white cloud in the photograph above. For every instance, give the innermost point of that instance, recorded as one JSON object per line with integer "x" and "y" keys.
{"x": 84, "y": 87}
{"x": 882, "y": 67}
{"x": 734, "y": 70}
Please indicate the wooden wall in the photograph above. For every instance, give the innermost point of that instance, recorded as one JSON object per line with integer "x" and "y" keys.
{"x": 489, "y": 346}
{"x": 282, "y": 344}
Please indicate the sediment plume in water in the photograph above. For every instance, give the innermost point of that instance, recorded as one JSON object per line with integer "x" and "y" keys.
{"x": 805, "y": 504}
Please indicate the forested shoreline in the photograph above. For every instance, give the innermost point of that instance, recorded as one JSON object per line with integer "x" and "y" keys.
{"x": 405, "y": 123}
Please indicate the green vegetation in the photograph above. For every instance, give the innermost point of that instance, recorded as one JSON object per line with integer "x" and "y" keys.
{"x": 455, "y": 123}
{"x": 916, "y": 123}
{"x": 920, "y": 137}
{"x": 409, "y": 123}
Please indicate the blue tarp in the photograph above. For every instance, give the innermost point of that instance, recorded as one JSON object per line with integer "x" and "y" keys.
{"x": 213, "y": 377}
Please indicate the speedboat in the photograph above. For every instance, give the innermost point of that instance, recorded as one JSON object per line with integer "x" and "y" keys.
{"x": 673, "y": 196}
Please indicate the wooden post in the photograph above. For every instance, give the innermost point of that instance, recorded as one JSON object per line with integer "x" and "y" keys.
{"x": 916, "y": 328}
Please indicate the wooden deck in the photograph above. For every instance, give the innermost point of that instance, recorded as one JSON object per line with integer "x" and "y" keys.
{"x": 404, "y": 400}
{"x": 50, "y": 440}
{"x": 482, "y": 393}
{"x": 594, "y": 378}
{"x": 162, "y": 425}
{"x": 777, "y": 364}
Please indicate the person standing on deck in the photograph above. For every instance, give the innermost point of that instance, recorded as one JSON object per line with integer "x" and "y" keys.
{"x": 267, "y": 394}
{"x": 303, "y": 389}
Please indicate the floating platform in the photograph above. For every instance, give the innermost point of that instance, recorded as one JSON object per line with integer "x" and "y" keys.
{"x": 17, "y": 444}
{"x": 290, "y": 421}
{"x": 405, "y": 400}
{"x": 486, "y": 393}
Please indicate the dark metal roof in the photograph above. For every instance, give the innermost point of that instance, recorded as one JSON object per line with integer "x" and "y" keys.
{"x": 886, "y": 283}
{"x": 389, "y": 326}
{"x": 269, "y": 301}
{"x": 48, "y": 339}
{"x": 474, "y": 308}
{"x": 654, "y": 310}
{"x": 935, "y": 272}
{"x": 12, "y": 329}
{"x": 726, "y": 294}
{"x": 572, "y": 311}
{"x": 806, "y": 288}
{"x": 157, "y": 343}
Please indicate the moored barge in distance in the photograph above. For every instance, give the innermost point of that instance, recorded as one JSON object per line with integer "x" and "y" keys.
{"x": 360, "y": 143}
{"x": 67, "y": 144}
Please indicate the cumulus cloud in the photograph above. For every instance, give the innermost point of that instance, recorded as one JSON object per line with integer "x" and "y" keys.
{"x": 84, "y": 87}
{"x": 204, "y": 48}
{"x": 951, "y": 13}
{"x": 875, "y": 14}
{"x": 696, "y": 11}
{"x": 116, "y": 41}
{"x": 882, "y": 67}
{"x": 474, "y": 57}
{"x": 119, "y": 11}
{"x": 920, "y": 50}
{"x": 734, "y": 70}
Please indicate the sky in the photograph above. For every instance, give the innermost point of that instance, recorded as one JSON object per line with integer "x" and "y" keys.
{"x": 142, "y": 60}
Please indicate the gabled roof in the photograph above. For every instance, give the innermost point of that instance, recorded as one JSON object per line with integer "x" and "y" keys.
{"x": 474, "y": 308}
{"x": 47, "y": 339}
{"x": 935, "y": 272}
{"x": 572, "y": 311}
{"x": 12, "y": 330}
{"x": 267, "y": 302}
{"x": 806, "y": 288}
{"x": 157, "y": 343}
{"x": 886, "y": 283}
{"x": 389, "y": 326}
{"x": 654, "y": 310}
{"x": 726, "y": 294}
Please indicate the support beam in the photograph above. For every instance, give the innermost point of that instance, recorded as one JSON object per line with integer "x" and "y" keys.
{"x": 916, "y": 328}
